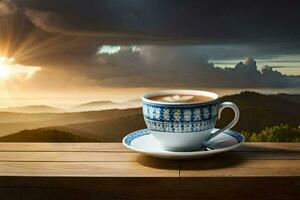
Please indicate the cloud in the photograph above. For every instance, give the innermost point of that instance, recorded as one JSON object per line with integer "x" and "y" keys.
{"x": 107, "y": 49}
{"x": 153, "y": 66}
{"x": 48, "y": 21}
{"x": 72, "y": 34}
{"x": 245, "y": 74}
{"x": 52, "y": 22}
{"x": 147, "y": 21}
{"x": 7, "y": 8}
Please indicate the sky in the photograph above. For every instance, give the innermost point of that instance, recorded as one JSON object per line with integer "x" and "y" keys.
{"x": 79, "y": 48}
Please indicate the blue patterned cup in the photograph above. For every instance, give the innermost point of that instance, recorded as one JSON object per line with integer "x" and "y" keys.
{"x": 185, "y": 126}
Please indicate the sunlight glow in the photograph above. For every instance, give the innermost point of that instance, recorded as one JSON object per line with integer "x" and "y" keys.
{"x": 8, "y": 69}
{"x": 4, "y": 72}
{"x": 4, "y": 69}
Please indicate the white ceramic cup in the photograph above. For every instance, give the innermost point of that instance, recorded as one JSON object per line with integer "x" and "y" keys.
{"x": 180, "y": 126}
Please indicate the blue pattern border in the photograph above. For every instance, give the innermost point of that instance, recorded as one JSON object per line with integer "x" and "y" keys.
{"x": 185, "y": 127}
{"x": 136, "y": 134}
{"x": 187, "y": 113}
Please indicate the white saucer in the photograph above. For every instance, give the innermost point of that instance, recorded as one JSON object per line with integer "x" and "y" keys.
{"x": 142, "y": 141}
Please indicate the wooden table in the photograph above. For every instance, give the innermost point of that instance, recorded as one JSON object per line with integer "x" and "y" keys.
{"x": 109, "y": 170}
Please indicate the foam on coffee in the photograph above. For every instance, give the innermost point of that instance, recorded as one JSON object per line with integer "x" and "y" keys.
{"x": 181, "y": 98}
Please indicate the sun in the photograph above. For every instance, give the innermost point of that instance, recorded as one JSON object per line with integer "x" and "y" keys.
{"x": 5, "y": 71}
{"x": 9, "y": 69}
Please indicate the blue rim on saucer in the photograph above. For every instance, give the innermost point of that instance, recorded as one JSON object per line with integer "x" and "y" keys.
{"x": 142, "y": 141}
{"x": 131, "y": 136}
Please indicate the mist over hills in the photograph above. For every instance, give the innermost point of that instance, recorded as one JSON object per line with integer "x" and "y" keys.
{"x": 32, "y": 109}
{"x": 88, "y": 106}
{"x": 106, "y": 105}
{"x": 257, "y": 112}
{"x": 15, "y": 122}
{"x": 95, "y": 105}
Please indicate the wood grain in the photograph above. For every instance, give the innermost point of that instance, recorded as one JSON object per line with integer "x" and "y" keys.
{"x": 61, "y": 147}
{"x": 131, "y": 156}
{"x": 86, "y": 169}
{"x": 69, "y": 156}
{"x": 269, "y": 146}
{"x": 110, "y": 171}
{"x": 35, "y": 146}
{"x": 246, "y": 188}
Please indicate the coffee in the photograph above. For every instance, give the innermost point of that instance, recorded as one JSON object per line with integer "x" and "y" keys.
{"x": 181, "y": 98}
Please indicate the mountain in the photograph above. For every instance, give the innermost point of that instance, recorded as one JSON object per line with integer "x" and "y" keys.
{"x": 257, "y": 112}
{"x": 106, "y": 105}
{"x": 45, "y": 135}
{"x": 32, "y": 109}
{"x": 291, "y": 97}
{"x": 108, "y": 130}
{"x": 15, "y": 122}
{"x": 111, "y": 130}
{"x": 133, "y": 103}
{"x": 96, "y": 105}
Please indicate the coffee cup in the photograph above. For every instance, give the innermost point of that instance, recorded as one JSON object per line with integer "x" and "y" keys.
{"x": 184, "y": 120}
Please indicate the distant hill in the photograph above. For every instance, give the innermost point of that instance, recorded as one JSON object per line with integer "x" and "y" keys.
{"x": 111, "y": 130}
{"x": 291, "y": 97}
{"x": 44, "y": 135}
{"x": 15, "y": 122}
{"x": 134, "y": 101}
{"x": 95, "y": 105}
{"x": 32, "y": 109}
{"x": 106, "y": 105}
{"x": 257, "y": 112}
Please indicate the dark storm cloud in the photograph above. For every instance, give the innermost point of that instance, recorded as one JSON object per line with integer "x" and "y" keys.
{"x": 237, "y": 51}
{"x": 48, "y": 21}
{"x": 137, "y": 20}
{"x": 52, "y": 22}
{"x": 70, "y": 33}
{"x": 181, "y": 66}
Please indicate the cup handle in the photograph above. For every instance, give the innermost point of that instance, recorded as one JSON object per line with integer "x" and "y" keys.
{"x": 232, "y": 123}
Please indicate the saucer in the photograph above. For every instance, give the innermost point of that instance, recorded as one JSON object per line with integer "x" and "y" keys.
{"x": 142, "y": 141}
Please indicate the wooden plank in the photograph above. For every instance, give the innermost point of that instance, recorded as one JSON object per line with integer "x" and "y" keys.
{"x": 263, "y": 188}
{"x": 239, "y": 168}
{"x": 269, "y": 146}
{"x": 246, "y": 188}
{"x": 224, "y": 165}
{"x": 110, "y": 171}
{"x": 69, "y": 156}
{"x": 244, "y": 172}
{"x": 62, "y": 147}
{"x": 32, "y": 146}
{"x": 89, "y": 188}
{"x": 268, "y": 155}
{"x": 130, "y": 156}
{"x": 88, "y": 169}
